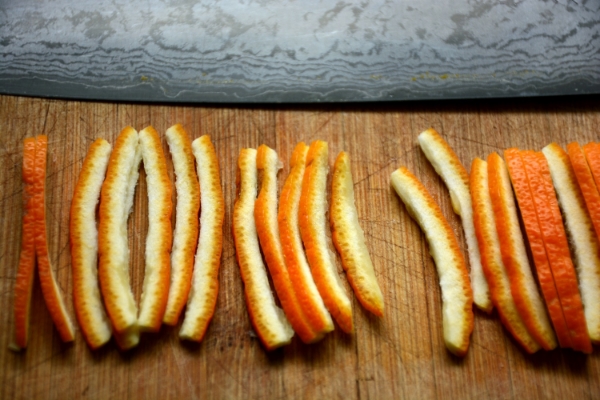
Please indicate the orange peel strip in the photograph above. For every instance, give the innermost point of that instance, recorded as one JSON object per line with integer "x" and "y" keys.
{"x": 50, "y": 289}
{"x": 268, "y": 320}
{"x": 293, "y": 252}
{"x": 185, "y": 237}
{"x": 157, "y": 272}
{"x": 265, "y": 217}
{"x": 586, "y": 164}
{"x": 313, "y": 225}
{"x": 89, "y": 309}
{"x": 514, "y": 255}
{"x": 581, "y": 233}
{"x": 202, "y": 299}
{"x": 446, "y": 163}
{"x": 26, "y": 270}
{"x": 349, "y": 238}
{"x": 491, "y": 258}
{"x": 457, "y": 295}
{"x": 116, "y": 202}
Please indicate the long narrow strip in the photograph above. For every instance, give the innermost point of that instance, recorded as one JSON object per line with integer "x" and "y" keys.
{"x": 583, "y": 160}
{"x": 557, "y": 248}
{"x": 491, "y": 258}
{"x": 457, "y": 295}
{"x": 89, "y": 309}
{"x": 265, "y": 217}
{"x": 157, "y": 273}
{"x": 293, "y": 252}
{"x": 116, "y": 202}
{"x": 205, "y": 280}
{"x": 581, "y": 235}
{"x": 455, "y": 176}
{"x": 523, "y": 192}
{"x": 26, "y": 271}
{"x": 269, "y": 321}
{"x": 349, "y": 238}
{"x": 313, "y": 225}
{"x": 514, "y": 256}
{"x": 52, "y": 296}
{"x": 185, "y": 237}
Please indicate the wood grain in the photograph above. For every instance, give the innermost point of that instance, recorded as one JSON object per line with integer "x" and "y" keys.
{"x": 399, "y": 356}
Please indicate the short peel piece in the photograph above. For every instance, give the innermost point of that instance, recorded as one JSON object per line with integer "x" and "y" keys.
{"x": 185, "y": 236}
{"x": 269, "y": 321}
{"x": 349, "y": 239}
{"x": 446, "y": 163}
{"x": 313, "y": 229}
{"x": 89, "y": 309}
{"x": 291, "y": 241}
{"x": 202, "y": 298}
{"x": 457, "y": 295}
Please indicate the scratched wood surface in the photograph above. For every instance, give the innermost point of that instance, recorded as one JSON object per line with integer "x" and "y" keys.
{"x": 399, "y": 356}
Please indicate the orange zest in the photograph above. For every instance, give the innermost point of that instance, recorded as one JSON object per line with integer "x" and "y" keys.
{"x": 313, "y": 229}
{"x": 269, "y": 321}
{"x": 265, "y": 217}
{"x": 26, "y": 271}
{"x": 185, "y": 237}
{"x": 491, "y": 258}
{"x": 349, "y": 238}
{"x": 52, "y": 296}
{"x": 291, "y": 242}
{"x": 87, "y": 301}
{"x": 514, "y": 255}
{"x": 202, "y": 299}
{"x": 457, "y": 295}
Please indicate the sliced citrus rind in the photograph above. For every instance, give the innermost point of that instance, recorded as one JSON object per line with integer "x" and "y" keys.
{"x": 94, "y": 322}
{"x": 157, "y": 271}
{"x": 116, "y": 202}
{"x": 491, "y": 258}
{"x": 583, "y": 160}
{"x": 514, "y": 255}
{"x": 455, "y": 176}
{"x": 26, "y": 270}
{"x": 269, "y": 321}
{"x": 202, "y": 298}
{"x": 185, "y": 236}
{"x": 313, "y": 229}
{"x": 265, "y": 217}
{"x": 293, "y": 252}
{"x": 457, "y": 295}
{"x": 50, "y": 290}
{"x": 349, "y": 239}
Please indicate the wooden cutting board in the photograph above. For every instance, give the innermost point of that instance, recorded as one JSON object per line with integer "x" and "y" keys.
{"x": 401, "y": 355}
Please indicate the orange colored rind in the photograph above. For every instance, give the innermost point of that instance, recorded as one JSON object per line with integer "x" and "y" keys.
{"x": 269, "y": 321}
{"x": 446, "y": 163}
{"x": 313, "y": 229}
{"x": 185, "y": 237}
{"x": 457, "y": 296}
{"x": 349, "y": 239}
{"x": 586, "y": 164}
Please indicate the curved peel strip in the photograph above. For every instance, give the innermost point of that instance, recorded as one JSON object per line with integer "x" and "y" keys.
{"x": 581, "y": 235}
{"x": 457, "y": 296}
{"x": 349, "y": 238}
{"x": 268, "y": 320}
{"x": 185, "y": 237}
{"x": 205, "y": 279}
{"x": 116, "y": 202}
{"x": 491, "y": 258}
{"x": 265, "y": 217}
{"x": 586, "y": 164}
{"x": 26, "y": 271}
{"x": 157, "y": 272}
{"x": 313, "y": 223}
{"x": 514, "y": 256}
{"x": 50, "y": 289}
{"x": 89, "y": 309}
{"x": 455, "y": 176}
{"x": 293, "y": 252}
